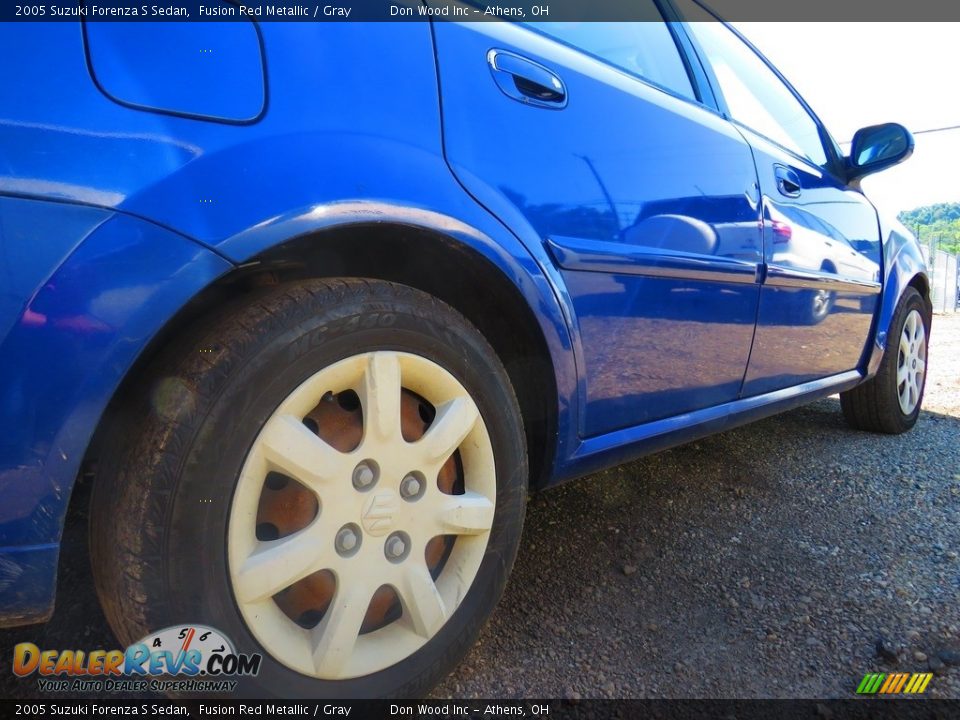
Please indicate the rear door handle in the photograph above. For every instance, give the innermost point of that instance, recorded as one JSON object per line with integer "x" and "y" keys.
{"x": 527, "y": 81}
{"x": 788, "y": 182}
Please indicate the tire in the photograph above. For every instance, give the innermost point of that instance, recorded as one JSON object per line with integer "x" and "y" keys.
{"x": 179, "y": 504}
{"x": 876, "y": 404}
{"x": 819, "y": 306}
{"x": 812, "y": 307}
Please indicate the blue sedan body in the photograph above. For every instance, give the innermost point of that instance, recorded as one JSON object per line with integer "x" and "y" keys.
{"x": 145, "y": 166}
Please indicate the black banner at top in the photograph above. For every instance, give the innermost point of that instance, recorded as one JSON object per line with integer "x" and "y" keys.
{"x": 468, "y": 11}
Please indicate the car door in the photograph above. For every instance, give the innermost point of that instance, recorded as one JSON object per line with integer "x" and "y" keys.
{"x": 821, "y": 238}
{"x": 590, "y": 139}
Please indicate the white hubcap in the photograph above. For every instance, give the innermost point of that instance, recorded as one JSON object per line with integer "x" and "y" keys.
{"x": 911, "y": 362}
{"x": 379, "y": 506}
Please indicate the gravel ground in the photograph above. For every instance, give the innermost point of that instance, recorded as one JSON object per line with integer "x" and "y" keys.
{"x": 764, "y": 562}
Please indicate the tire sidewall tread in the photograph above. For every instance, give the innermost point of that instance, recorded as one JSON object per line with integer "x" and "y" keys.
{"x": 153, "y": 541}
{"x": 874, "y": 405}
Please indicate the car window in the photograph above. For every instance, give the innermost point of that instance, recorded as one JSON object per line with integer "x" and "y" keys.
{"x": 645, "y": 49}
{"x": 755, "y": 96}
{"x": 795, "y": 215}
{"x": 818, "y": 225}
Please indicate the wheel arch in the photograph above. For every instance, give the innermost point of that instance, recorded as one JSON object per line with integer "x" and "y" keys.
{"x": 921, "y": 283}
{"x": 903, "y": 267}
{"x": 421, "y": 257}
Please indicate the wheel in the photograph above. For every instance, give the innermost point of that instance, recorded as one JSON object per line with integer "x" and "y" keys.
{"x": 812, "y": 307}
{"x": 820, "y": 304}
{"x": 890, "y": 401}
{"x": 332, "y": 474}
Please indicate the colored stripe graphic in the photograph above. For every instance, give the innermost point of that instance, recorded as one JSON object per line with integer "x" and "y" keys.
{"x": 891, "y": 681}
{"x": 901, "y": 682}
{"x": 870, "y": 683}
{"x": 915, "y": 680}
{"x": 894, "y": 683}
{"x": 918, "y": 683}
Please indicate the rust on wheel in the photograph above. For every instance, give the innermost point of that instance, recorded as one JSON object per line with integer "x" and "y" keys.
{"x": 361, "y": 515}
{"x": 286, "y": 507}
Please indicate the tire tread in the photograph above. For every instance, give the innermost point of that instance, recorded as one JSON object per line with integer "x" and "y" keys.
{"x": 142, "y": 461}
{"x": 873, "y": 405}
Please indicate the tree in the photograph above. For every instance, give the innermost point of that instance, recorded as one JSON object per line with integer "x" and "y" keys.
{"x": 939, "y": 223}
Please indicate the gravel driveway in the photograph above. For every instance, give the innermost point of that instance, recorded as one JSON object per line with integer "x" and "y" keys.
{"x": 764, "y": 562}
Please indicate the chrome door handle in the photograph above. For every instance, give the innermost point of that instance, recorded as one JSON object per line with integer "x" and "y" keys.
{"x": 527, "y": 81}
{"x": 788, "y": 182}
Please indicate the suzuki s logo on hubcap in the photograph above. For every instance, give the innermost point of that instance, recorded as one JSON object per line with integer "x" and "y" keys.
{"x": 379, "y": 512}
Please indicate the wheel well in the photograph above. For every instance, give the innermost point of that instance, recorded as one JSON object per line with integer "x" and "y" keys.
{"x": 922, "y": 285}
{"x": 424, "y": 259}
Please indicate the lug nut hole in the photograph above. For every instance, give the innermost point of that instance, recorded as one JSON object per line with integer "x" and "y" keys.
{"x": 365, "y": 475}
{"x": 413, "y": 485}
{"x": 276, "y": 481}
{"x": 396, "y": 548}
{"x": 348, "y": 400}
{"x": 348, "y": 540}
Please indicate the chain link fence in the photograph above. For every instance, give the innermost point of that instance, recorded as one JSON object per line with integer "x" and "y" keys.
{"x": 943, "y": 268}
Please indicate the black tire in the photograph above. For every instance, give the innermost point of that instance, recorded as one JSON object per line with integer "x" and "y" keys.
{"x": 159, "y": 554}
{"x": 874, "y": 405}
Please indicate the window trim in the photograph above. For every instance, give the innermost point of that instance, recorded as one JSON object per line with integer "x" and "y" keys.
{"x": 688, "y": 53}
{"x": 834, "y": 165}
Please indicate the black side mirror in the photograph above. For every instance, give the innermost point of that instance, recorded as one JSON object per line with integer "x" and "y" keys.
{"x": 878, "y": 147}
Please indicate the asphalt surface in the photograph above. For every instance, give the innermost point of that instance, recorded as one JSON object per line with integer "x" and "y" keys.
{"x": 768, "y": 561}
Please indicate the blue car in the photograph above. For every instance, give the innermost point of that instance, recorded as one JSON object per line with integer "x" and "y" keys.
{"x": 316, "y": 305}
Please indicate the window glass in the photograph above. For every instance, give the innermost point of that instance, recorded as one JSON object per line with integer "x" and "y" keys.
{"x": 755, "y": 96}
{"x": 644, "y": 49}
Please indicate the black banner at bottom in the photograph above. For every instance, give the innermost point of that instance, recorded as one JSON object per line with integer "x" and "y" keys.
{"x": 489, "y": 709}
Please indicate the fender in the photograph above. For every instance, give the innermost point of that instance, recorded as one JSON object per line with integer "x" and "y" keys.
{"x": 62, "y": 361}
{"x": 473, "y": 228}
{"x": 313, "y": 180}
{"x": 307, "y": 164}
{"x": 101, "y": 307}
{"x": 902, "y": 262}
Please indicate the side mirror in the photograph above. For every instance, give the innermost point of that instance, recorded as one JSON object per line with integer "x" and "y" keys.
{"x": 878, "y": 147}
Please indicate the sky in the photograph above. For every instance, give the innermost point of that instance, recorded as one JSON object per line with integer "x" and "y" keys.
{"x": 859, "y": 74}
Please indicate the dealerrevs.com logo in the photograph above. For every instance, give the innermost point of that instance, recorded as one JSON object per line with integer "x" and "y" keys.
{"x": 182, "y": 658}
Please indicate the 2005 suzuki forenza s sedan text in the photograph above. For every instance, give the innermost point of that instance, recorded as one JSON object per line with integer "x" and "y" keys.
{"x": 317, "y": 308}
